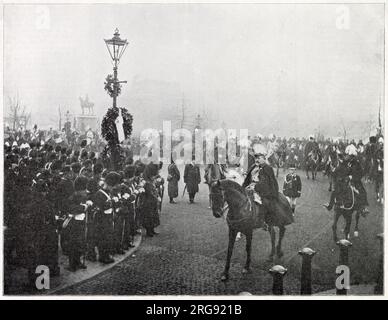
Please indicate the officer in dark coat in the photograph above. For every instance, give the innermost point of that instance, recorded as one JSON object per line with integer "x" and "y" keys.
{"x": 310, "y": 146}
{"x": 192, "y": 178}
{"x": 356, "y": 173}
{"x": 173, "y": 178}
{"x": 340, "y": 179}
{"x": 266, "y": 184}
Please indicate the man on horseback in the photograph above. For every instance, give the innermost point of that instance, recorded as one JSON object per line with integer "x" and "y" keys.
{"x": 310, "y": 147}
{"x": 349, "y": 171}
{"x": 340, "y": 175}
{"x": 355, "y": 174}
{"x": 261, "y": 180}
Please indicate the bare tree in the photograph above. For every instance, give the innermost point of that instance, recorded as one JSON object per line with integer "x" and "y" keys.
{"x": 18, "y": 114}
{"x": 344, "y": 130}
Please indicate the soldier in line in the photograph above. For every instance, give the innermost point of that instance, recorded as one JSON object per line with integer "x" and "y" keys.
{"x": 38, "y": 227}
{"x": 78, "y": 205}
{"x": 104, "y": 217}
{"x": 120, "y": 212}
{"x": 93, "y": 185}
{"x": 129, "y": 194}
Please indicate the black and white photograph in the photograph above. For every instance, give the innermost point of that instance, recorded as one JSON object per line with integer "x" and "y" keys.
{"x": 193, "y": 149}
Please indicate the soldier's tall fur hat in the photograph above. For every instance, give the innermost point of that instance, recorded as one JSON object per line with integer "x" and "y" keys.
{"x": 57, "y": 165}
{"x": 41, "y": 186}
{"x": 84, "y": 154}
{"x": 151, "y": 170}
{"x": 80, "y": 183}
{"x": 112, "y": 178}
{"x": 129, "y": 171}
{"x": 76, "y": 167}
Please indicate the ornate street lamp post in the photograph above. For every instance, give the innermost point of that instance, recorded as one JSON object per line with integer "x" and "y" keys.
{"x": 116, "y": 47}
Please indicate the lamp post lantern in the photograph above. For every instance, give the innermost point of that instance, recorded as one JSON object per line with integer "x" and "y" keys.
{"x": 116, "y": 48}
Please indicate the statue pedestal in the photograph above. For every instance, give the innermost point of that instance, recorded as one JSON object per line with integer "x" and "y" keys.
{"x": 82, "y": 122}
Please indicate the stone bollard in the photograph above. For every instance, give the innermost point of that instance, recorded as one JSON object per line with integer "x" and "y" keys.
{"x": 277, "y": 272}
{"x": 379, "y": 288}
{"x": 344, "y": 246}
{"x": 305, "y": 277}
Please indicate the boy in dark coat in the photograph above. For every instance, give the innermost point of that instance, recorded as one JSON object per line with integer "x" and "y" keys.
{"x": 292, "y": 186}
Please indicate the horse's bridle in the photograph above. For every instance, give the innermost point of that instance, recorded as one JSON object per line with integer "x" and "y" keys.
{"x": 226, "y": 207}
{"x": 222, "y": 195}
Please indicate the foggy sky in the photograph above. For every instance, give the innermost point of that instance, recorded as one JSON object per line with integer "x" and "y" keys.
{"x": 267, "y": 68}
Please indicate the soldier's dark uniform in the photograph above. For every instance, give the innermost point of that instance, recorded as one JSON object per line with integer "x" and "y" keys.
{"x": 39, "y": 232}
{"x": 129, "y": 194}
{"x": 119, "y": 214}
{"x": 340, "y": 179}
{"x": 104, "y": 218}
{"x": 267, "y": 187}
{"x": 92, "y": 187}
{"x": 356, "y": 173}
{"x": 77, "y": 210}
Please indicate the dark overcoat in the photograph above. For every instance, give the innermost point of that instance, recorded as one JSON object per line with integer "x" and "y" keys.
{"x": 192, "y": 178}
{"x": 173, "y": 178}
{"x": 292, "y": 186}
{"x": 267, "y": 186}
{"x": 149, "y": 206}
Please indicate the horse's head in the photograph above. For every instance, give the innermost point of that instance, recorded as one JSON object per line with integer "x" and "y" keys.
{"x": 217, "y": 197}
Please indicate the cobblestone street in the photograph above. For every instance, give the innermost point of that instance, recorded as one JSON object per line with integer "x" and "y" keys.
{"x": 188, "y": 255}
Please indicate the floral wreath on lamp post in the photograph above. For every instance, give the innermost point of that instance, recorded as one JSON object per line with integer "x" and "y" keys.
{"x": 109, "y": 86}
{"x": 110, "y": 132}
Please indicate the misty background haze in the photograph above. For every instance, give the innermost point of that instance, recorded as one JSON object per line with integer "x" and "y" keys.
{"x": 282, "y": 69}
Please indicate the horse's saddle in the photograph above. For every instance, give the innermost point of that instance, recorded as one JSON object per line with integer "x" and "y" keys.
{"x": 346, "y": 197}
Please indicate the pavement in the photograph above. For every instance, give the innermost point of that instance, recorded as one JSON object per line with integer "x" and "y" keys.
{"x": 188, "y": 255}
{"x": 16, "y": 279}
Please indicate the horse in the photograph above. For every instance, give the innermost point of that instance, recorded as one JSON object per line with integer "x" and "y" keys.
{"x": 243, "y": 217}
{"x": 345, "y": 204}
{"x": 312, "y": 164}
